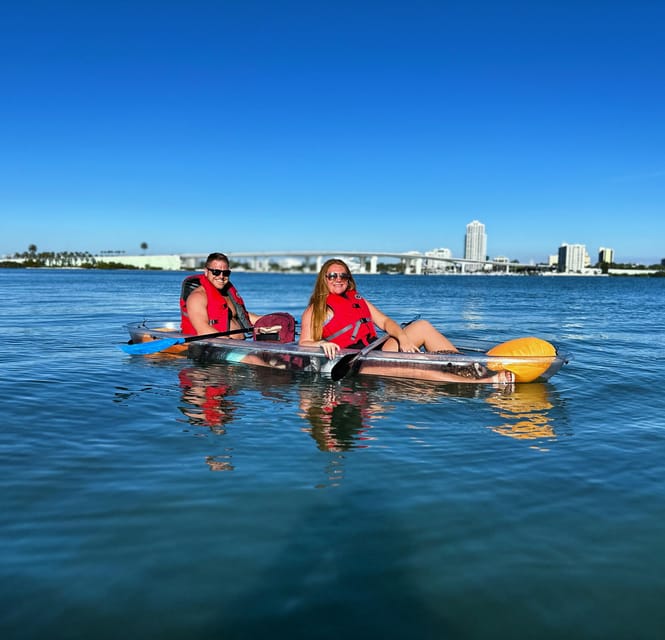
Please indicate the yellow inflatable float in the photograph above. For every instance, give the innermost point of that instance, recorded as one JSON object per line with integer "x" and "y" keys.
{"x": 538, "y": 355}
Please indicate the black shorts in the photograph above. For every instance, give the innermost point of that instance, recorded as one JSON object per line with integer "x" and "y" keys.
{"x": 360, "y": 344}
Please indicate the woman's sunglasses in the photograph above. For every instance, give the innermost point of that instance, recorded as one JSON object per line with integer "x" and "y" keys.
{"x": 220, "y": 272}
{"x": 341, "y": 276}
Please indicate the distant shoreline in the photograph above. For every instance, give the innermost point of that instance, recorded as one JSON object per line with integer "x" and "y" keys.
{"x": 5, "y": 265}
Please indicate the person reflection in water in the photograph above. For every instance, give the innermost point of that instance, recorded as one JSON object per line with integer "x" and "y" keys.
{"x": 206, "y": 401}
{"x": 339, "y": 418}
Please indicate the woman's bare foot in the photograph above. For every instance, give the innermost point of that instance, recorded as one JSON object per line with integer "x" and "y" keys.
{"x": 502, "y": 377}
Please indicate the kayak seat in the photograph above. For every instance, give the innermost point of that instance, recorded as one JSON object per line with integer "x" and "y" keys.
{"x": 188, "y": 285}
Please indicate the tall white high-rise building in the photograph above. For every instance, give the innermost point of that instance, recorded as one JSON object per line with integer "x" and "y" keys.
{"x": 475, "y": 244}
{"x": 605, "y": 255}
{"x": 572, "y": 258}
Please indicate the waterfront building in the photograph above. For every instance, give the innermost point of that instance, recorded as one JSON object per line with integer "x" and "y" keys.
{"x": 290, "y": 264}
{"x": 353, "y": 264}
{"x": 475, "y": 244}
{"x": 606, "y": 255}
{"x": 572, "y": 258}
{"x": 167, "y": 262}
{"x": 439, "y": 266}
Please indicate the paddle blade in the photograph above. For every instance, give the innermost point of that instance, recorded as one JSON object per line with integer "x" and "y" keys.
{"x": 341, "y": 368}
{"x": 152, "y": 346}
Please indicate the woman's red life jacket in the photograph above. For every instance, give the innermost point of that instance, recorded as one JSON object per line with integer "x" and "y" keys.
{"x": 351, "y": 323}
{"x": 222, "y": 305}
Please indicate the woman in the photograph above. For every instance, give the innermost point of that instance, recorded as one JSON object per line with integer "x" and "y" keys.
{"x": 339, "y": 318}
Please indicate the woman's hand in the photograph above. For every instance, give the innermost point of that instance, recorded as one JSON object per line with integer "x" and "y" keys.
{"x": 329, "y": 348}
{"x": 405, "y": 343}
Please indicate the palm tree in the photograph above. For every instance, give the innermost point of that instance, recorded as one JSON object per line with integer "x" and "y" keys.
{"x": 144, "y": 246}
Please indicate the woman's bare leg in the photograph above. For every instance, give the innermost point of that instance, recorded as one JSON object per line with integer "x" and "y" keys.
{"x": 423, "y": 334}
{"x": 372, "y": 368}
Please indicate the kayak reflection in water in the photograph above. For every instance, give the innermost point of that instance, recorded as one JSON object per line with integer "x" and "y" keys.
{"x": 526, "y": 413}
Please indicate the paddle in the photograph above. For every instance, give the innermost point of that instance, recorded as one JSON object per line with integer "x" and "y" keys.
{"x": 153, "y": 346}
{"x": 352, "y": 361}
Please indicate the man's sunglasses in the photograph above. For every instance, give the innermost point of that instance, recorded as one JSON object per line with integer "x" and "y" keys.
{"x": 220, "y": 272}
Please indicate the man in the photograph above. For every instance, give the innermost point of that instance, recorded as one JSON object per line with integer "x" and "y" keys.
{"x": 209, "y": 303}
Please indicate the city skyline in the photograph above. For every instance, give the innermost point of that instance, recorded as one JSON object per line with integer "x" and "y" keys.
{"x": 270, "y": 126}
{"x": 473, "y": 252}
{"x": 475, "y": 248}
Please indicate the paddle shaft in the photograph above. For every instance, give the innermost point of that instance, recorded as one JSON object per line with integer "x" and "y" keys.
{"x": 153, "y": 346}
{"x": 219, "y": 334}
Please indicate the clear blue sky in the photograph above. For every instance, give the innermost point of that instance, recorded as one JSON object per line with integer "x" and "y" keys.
{"x": 255, "y": 125}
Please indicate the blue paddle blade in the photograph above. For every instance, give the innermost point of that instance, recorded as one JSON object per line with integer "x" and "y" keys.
{"x": 153, "y": 346}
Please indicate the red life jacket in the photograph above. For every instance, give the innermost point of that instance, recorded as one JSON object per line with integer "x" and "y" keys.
{"x": 222, "y": 305}
{"x": 351, "y": 323}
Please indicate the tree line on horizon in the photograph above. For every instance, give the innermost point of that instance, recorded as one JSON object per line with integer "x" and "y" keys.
{"x": 63, "y": 259}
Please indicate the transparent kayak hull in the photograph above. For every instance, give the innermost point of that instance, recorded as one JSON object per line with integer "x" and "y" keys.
{"x": 423, "y": 366}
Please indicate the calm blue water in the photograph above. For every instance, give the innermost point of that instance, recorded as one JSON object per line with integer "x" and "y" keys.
{"x": 148, "y": 497}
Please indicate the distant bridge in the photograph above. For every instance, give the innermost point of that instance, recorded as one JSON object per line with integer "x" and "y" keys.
{"x": 414, "y": 262}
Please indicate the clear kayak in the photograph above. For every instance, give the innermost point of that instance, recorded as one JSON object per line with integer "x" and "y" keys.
{"x": 530, "y": 359}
